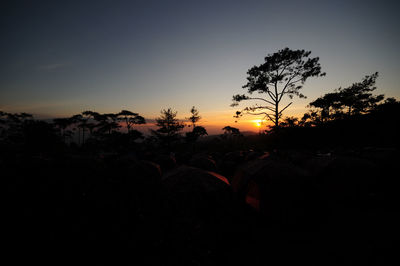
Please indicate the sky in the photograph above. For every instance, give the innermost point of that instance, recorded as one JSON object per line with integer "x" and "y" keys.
{"x": 59, "y": 58}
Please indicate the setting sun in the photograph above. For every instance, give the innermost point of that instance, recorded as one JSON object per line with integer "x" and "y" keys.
{"x": 258, "y": 122}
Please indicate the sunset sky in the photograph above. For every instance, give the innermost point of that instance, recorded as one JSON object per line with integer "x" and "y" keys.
{"x": 59, "y": 58}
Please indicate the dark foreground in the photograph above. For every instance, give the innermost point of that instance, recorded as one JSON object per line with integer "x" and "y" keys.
{"x": 277, "y": 208}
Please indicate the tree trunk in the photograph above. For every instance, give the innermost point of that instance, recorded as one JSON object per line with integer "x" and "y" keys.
{"x": 276, "y": 106}
{"x": 127, "y": 124}
{"x": 83, "y": 136}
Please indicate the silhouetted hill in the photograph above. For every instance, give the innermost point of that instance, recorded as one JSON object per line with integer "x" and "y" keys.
{"x": 248, "y": 133}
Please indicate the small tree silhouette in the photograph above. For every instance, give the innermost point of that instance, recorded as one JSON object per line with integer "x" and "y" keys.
{"x": 130, "y": 119}
{"x": 197, "y": 131}
{"x": 282, "y": 73}
{"x": 169, "y": 127}
{"x": 195, "y": 117}
{"x": 231, "y": 131}
{"x": 290, "y": 121}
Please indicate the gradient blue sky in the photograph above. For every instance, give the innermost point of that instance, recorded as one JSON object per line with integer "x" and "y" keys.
{"x": 58, "y": 58}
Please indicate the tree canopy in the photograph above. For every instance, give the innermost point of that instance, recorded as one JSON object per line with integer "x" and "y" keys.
{"x": 352, "y": 100}
{"x": 130, "y": 119}
{"x": 282, "y": 73}
{"x": 228, "y": 130}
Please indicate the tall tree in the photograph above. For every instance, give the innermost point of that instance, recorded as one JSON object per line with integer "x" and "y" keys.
{"x": 3, "y": 124}
{"x": 86, "y": 122}
{"x": 169, "y": 127}
{"x": 282, "y": 73}
{"x": 62, "y": 125}
{"x": 76, "y": 120}
{"x": 12, "y": 125}
{"x": 107, "y": 123}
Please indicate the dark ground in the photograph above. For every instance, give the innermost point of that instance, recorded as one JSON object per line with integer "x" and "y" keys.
{"x": 336, "y": 207}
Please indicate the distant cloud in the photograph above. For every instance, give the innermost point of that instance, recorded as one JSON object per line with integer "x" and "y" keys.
{"x": 50, "y": 67}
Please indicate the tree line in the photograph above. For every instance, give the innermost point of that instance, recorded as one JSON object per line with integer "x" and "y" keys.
{"x": 284, "y": 73}
{"x": 93, "y": 128}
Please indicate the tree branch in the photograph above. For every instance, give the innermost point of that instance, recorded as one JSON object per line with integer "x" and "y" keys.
{"x": 285, "y": 108}
{"x": 293, "y": 82}
{"x": 262, "y": 113}
{"x": 286, "y": 85}
{"x": 260, "y": 107}
{"x": 273, "y": 97}
{"x": 256, "y": 98}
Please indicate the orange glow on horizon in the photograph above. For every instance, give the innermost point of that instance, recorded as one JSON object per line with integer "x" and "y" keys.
{"x": 212, "y": 121}
{"x": 214, "y": 124}
{"x": 258, "y": 122}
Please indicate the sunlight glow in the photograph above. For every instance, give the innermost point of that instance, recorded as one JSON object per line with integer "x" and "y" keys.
{"x": 258, "y": 122}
